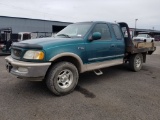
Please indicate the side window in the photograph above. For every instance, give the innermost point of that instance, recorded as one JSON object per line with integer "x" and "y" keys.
{"x": 117, "y": 31}
{"x": 26, "y": 36}
{"x": 104, "y": 30}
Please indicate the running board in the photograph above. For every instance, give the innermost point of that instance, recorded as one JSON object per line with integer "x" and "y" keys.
{"x": 98, "y": 72}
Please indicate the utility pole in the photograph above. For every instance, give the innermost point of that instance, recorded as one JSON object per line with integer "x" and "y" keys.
{"x": 135, "y": 25}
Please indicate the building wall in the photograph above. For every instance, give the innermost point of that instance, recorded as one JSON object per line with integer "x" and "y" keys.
{"x": 28, "y": 25}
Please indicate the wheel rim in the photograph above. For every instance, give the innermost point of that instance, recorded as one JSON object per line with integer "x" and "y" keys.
{"x": 65, "y": 79}
{"x": 138, "y": 62}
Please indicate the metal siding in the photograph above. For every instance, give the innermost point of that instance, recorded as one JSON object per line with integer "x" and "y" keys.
{"x": 28, "y": 25}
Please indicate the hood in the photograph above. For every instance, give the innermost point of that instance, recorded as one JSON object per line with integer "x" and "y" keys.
{"x": 47, "y": 43}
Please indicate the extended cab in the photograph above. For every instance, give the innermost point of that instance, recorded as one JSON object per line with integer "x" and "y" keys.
{"x": 80, "y": 47}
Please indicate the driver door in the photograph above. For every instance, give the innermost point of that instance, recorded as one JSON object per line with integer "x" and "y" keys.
{"x": 102, "y": 49}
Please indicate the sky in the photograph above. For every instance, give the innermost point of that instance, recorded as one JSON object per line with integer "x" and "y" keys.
{"x": 146, "y": 11}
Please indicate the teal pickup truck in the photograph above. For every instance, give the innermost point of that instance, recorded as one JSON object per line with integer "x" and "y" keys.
{"x": 80, "y": 47}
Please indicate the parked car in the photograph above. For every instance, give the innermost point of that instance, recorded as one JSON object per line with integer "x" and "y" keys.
{"x": 157, "y": 37}
{"x": 143, "y": 37}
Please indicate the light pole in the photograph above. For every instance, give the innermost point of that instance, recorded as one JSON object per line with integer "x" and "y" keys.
{"x": 135, "y": 25}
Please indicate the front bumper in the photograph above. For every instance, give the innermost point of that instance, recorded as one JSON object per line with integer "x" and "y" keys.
{"x": 27, "y": 70}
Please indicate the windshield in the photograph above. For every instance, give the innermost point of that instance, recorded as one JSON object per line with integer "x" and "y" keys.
{"x": 142, "y": 35}
{"x": 74, "y": 30}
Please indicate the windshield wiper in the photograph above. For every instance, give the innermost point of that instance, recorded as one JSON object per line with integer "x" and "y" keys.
{"x": 64, "y": 35}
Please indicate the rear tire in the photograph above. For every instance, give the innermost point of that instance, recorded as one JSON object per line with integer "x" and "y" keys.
{"x": 62, "y": 78}
{"x": 136, "y": 62}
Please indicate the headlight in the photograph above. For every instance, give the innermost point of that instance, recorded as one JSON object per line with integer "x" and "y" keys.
{"x": 31, "y": 54}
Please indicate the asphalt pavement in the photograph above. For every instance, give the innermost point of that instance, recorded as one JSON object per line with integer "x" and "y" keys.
{"x": 118, "y": 94}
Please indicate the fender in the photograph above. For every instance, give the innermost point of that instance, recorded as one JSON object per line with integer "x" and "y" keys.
{"x": 82, "y": 66}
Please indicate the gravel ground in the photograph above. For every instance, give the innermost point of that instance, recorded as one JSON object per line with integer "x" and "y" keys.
{"x": 118, "y": 94}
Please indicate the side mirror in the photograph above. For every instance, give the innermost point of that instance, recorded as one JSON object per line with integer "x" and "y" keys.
{"x": 96, "y": 36}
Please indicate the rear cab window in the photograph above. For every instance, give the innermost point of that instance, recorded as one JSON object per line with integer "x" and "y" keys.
{"x": 117, "y": 32}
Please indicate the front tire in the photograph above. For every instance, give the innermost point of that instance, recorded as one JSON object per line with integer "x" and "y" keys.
{"x": 62, "y": 78}
{"x": 136, "y": 62}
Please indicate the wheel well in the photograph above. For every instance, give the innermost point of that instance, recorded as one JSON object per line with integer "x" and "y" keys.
{"x": 143, "y": 55}
{"x": 69, "y": 59}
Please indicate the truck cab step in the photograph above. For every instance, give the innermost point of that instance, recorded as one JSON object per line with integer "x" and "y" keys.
{"x": 98, "y": 72}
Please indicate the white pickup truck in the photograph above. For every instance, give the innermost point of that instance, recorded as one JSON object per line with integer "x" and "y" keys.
{"x": 32, "y": 35}
{"x": 144, "y": 38}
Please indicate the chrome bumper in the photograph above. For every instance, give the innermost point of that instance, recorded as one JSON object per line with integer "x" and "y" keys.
{"x": 27, "y": 70}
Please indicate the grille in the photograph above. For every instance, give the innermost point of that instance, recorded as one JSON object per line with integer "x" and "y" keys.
{"x": 16, "y": 53}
